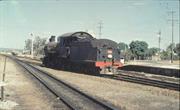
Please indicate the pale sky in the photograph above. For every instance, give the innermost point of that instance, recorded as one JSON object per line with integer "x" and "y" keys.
{"x": 123, "y": 20}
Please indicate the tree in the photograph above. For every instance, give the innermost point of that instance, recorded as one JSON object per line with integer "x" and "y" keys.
{"x": 165, "y": 55}
{"x": 171, "y": 46}
{"x": 28, "y": 44}
{"x": 38, "y": 45}
{"x": 177, "y": 49}
{"x": 128, "y": 55}
{"x": 125, "y": 52}
{"x": 138, "y": 49}
{"x": 174, "y": 49}
{"x": 122, "y": 46}
{"x": 151, "y": 51}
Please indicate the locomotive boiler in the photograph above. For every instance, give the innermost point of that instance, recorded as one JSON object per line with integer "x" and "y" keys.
{"x": 80, "y": 51}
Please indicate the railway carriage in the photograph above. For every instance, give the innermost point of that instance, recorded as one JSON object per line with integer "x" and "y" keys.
{"x": 80, "y": 51}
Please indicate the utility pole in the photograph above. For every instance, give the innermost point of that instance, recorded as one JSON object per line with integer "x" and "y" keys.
{"x": 3, "y": 80}
{"x": 100, "y": 28}
{"x": 159, "y": 40}
{"x": 172, "y": 32}
{"x": 32, "y": 51}
{"x": 171, "y": 12}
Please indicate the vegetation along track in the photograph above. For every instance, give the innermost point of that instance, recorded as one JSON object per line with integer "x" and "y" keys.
{"x": 72, "y": 97}
{"x": 145, "y": 81}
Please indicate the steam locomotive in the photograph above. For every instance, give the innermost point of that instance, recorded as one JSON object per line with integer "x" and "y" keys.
{"x": 80, "y": 51}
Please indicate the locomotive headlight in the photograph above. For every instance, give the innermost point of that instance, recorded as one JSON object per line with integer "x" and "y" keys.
{"x": 109, "y": 55}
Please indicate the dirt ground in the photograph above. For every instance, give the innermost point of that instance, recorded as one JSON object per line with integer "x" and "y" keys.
{"x": 128, "y": 96}
{"x": 22, "y": 92}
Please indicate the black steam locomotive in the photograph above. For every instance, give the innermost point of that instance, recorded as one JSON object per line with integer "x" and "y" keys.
{"x": 79, "y": 51}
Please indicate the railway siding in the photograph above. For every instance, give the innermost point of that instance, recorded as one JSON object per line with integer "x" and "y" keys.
{"x": 153, "y": 70}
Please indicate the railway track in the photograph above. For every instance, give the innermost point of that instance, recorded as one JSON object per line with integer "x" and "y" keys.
{"x": 140, "y": 79}
{"x": 145, "y": 81}
{"x": 72, "y": 97}
{"x": 157, "y": 81}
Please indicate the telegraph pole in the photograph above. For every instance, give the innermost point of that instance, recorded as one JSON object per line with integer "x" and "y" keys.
{"x": 172, "y": 32}
{"x": 3, "y": 80}
{"x": 159, "y": 40}
{"x": 32, "y": 51}
{"x": 100, "y": 28}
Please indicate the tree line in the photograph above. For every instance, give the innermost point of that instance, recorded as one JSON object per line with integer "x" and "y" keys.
{"x": 139, "y": 50}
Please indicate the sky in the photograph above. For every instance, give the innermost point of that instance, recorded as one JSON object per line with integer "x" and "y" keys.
{"x": 122, "y": 20}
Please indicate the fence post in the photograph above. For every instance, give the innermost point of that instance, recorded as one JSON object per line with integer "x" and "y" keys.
{"x": 3, "y": 80}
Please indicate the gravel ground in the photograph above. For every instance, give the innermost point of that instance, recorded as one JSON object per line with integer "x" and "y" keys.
{"x": 22, "y": 92}
{"x": 128, "y": 96}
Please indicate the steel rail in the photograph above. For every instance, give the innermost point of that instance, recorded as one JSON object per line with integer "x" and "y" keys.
{"x": 146, "y": 81}
{"x": 43, "y": 83}
{"x": 90, "y": 100}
